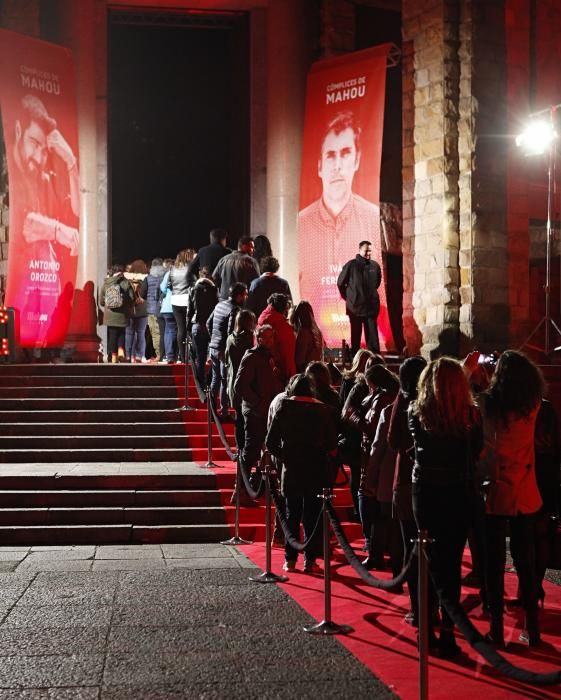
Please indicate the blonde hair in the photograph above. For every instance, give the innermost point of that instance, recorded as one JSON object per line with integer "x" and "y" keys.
{"x": 444, "y": 404}
{"x": 184, "y": 257}
{"x": 359, "y": 363}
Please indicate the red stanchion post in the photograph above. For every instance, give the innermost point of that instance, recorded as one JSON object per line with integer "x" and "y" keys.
{"x": 327, "y": 626}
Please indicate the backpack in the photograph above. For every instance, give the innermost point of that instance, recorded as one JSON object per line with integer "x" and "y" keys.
{"x": 114, "y": 296}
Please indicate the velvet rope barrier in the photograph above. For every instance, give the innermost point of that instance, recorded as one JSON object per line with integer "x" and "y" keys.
{"x": 254, "y": 494}
{"x": 484, "y": 648}
{"x": 474, "y": 638}
{"x": 222, "y": 434}
{"x": 294, "y": 543}
{"x": 354, "y": 561}
{"x": 200, "y": 391}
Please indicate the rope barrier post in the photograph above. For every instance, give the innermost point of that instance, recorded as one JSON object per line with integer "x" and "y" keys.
{"x": 186, "y": 406}
{"x": 236, "y": 539}
{"x": 268, "y": 576}
{"x": 209, "y": 463}
{"x": 327, "y": 626}
{"x": 423, "y": 603}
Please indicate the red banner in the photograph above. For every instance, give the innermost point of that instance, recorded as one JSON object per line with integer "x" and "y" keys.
{"x": 340, "y": 182}
{"x": 38, "y": 103}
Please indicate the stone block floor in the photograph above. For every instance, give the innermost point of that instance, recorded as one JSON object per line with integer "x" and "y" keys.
{"x": 150, "y": 622}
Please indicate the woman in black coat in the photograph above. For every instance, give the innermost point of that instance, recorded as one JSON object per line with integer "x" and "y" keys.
{"x": 303, "y": 436}
{"x": 448, "y": 435}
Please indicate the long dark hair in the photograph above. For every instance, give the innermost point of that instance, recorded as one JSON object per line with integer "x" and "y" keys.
{"x": 303, "y": 317}
{"x": 516, "y": 387}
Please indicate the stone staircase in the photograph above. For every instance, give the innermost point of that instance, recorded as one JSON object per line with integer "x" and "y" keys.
{"x": 92, "y": 413}
{"x": 101, "y": 454}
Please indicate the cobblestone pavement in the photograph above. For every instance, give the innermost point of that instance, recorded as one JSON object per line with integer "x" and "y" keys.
{"x": 150, "y": 622}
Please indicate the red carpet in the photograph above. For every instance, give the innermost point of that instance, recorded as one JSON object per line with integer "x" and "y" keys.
{"x": 387, "y": 645}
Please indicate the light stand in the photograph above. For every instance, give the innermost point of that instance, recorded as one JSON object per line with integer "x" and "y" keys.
{"x": 547, "y": 322}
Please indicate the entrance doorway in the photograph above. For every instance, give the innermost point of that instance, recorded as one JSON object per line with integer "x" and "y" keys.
{"x": 178, "y": 113}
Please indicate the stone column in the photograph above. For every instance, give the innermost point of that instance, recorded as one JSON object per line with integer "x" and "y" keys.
{"x": 286, "y": 88}
{"x": 484, "y": 254}
{"x": 430, "y": 182}
{"x": 77, "y": 32}
{"x": 456, "y": 247}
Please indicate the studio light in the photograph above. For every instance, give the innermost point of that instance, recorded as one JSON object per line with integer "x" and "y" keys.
{"x": 537, "y": 137}
{"x": 540, "y": 137}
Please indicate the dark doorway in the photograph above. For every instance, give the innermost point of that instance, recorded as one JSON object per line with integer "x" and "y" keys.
{"x": 178, "y": 130}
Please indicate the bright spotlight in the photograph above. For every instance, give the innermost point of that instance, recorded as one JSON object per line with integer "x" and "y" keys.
{"x": 537, "y": 137}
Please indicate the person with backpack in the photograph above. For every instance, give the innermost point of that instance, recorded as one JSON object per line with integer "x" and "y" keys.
{"x": 156, "y": 321}
{"x": 117, "y": 299}
{"x": 135, "y": 336}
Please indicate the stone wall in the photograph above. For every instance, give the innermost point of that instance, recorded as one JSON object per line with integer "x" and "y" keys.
{"x": 454, "y": 176}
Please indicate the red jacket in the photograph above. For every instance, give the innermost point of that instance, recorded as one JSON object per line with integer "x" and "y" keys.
{"x": 285, "y": 342}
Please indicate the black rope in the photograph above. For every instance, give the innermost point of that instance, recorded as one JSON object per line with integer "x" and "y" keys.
{"x": 354, "y": 561}
{"x": 222, "y": 434}
{"x": 485, "y": 648}
{"x": 292, "y": 541}
{"x": 254, "y": 494}
{"x": 200, "y": 391}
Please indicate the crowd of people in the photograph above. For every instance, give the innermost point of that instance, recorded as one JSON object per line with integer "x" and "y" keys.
{"x": 468, "y": 451}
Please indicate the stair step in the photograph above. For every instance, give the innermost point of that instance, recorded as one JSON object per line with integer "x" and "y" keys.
{"x": 140, "y": 483}
{"x": 112, "y": 392}
{"x": 88, "y": 369}
{"x": 81, "y": 380}
{"x": 96, "y": 442}
{"x": 117, "y": 404}
{"x": 112, "y": 516}
{"x": 108, "y": 498}
{"x": 77, "y": 429}
{"x": 113, "y": 455}
{"x": 104, "y": 415}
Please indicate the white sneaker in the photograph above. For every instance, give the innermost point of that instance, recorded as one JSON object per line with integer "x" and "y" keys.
{"x": 144, "y": 360}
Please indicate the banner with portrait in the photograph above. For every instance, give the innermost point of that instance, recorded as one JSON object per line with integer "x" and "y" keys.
{"x": 38, "y": 105}
{"x": 340, "y": 182}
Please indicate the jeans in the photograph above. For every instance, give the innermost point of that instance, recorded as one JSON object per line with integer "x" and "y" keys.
{"x": 201, "y": 339}
{"x": 255, "y": 432}
{"x": 170, "y": 337}
{"x": 136, "y": 337}
{"x": 304, "y": 509}
{"x": 522, "y": 548}
{"x": 444, "y": 512}
{"x": 370, "y": 324}
{"x": 180, "y": 315}
{"x": 219, "y": 380}
{"x": 115, "y": 340}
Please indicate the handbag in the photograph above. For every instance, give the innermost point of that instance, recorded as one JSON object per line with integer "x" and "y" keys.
{"x": 554, "y": 536}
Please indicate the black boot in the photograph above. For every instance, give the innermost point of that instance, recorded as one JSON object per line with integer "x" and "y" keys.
{"x": 531, "y": 633}
{"x": 496, "y": 633}
{"x": 447, "y": 647}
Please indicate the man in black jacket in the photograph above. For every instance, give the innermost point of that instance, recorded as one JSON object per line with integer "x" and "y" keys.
{"x": 358, "y": 284}
{"x": 257, "y": 383}
{"x": 220, "y": 324}
{"x": 209, "y": 255}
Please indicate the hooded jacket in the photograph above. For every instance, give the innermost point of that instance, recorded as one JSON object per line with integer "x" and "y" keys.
{"x": 203, "y": 297}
